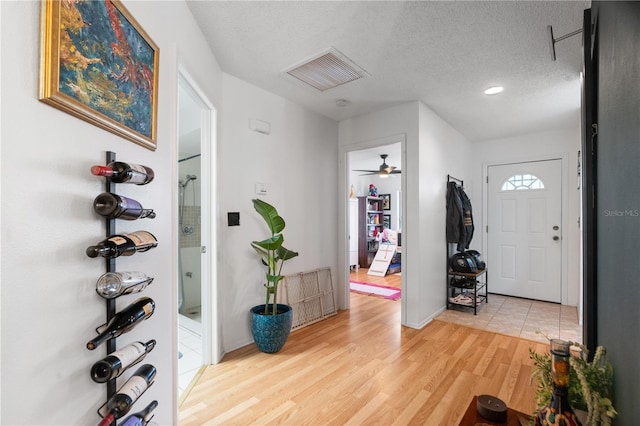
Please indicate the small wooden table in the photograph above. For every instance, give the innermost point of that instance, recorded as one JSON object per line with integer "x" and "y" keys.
{"x": 472, "y": 418}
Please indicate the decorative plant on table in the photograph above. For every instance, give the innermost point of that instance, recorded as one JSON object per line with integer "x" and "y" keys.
{"x": 273, "y": 253}
{"x": 590, "y": 383}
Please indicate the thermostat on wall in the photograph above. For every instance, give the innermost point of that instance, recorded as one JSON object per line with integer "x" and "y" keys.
{"x": 261, "y": 189}
{"x": 260, "y": 126}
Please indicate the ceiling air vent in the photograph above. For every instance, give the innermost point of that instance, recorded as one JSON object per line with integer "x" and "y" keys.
{"x": 326, "y": 70}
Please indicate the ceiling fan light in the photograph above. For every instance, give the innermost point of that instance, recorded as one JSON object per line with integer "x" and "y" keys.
{"x": 493, "y": 90}
{"x": 383, "y": 171}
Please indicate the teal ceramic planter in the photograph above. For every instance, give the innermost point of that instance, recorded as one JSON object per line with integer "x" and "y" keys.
{"x": 270, "y": 332}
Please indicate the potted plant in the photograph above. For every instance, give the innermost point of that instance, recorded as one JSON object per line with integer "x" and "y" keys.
{"x": 590, "y": 384}
{"x": 271, "y": 322}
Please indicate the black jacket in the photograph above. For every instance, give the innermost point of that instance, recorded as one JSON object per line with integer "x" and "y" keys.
{"x": 459, "y": 217}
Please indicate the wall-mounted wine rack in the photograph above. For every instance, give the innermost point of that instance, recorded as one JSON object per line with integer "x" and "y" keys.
{"x": 110, "y": 266}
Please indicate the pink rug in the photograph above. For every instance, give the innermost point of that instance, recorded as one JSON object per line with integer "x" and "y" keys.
{"x": 390, "y": 293}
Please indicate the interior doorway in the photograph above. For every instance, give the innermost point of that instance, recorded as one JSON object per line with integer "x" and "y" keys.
{"x": 196, "y": 280}
{"x": 373, "y": 223}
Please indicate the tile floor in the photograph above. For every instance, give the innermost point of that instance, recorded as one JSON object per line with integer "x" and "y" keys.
{"x": 190, "y": 346}
{"x": 529, "y": 319}
{"x": 194, "y": 313}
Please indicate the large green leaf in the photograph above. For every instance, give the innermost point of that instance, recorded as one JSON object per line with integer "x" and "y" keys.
{"x": 270, "y": 215}
{"x": 285, "y": 254}
{"x": 272, "y": 243}
{"x": 264, "y": 254}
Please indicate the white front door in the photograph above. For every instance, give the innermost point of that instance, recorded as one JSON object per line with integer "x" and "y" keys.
{"x": 524, "y": 235}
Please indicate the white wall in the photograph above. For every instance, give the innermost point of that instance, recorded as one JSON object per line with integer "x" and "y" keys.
{"x": 297, "y": 163}
{"x": 49, "y": 307}
{"x": 531, "y": 147}
{"x": 432, "y": 150}
{"x": 0, "y": 209}
{"x": 443, "y": 151}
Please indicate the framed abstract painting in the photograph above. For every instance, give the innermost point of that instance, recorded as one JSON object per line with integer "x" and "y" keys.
{"x": 99, "y": 65}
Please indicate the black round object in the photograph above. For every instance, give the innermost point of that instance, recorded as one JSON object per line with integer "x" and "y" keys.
{"x": 492, "y": 408}
{"x": 462, "y": 262}
{"x": 477, "y": 259}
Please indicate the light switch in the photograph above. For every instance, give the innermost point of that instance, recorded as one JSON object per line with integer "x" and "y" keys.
{"x": 233, "y": 218}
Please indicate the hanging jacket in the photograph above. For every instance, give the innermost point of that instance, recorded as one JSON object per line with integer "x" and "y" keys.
{"x": 454, "y": 214}
{"x": 459, "y": 227}
{"x": 467, "y": 220}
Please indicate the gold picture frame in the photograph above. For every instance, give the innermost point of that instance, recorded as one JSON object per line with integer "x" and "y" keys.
{"x": 98, "y": 64}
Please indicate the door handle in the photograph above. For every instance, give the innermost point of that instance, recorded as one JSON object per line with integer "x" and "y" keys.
{"x": 556, "y": 238}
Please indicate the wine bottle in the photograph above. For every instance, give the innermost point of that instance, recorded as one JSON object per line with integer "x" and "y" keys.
{"x": 114, "y": 206}
{"x": 141, "y": 418}
{"x": 113, "y": 284}
{"x": 120, "y": 403}
{"x": 119, "y": 361}
{"x": 121, "y": 172}
{"x": 123, "y": 321}
{"x": 123, "y": 245}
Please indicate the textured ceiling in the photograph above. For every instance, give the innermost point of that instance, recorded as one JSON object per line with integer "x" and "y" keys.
{"x": 442, "y": 53}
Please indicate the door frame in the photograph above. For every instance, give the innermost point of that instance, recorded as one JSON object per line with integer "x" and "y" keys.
{"x": 208, "y": 142}
{"x": 343, "y": 290}
{"x": 210, "y": 319}
{"x": 564, "y": 157}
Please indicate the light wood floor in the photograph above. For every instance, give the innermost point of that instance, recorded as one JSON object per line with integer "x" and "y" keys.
{"x": 391, "y": 280}
{"x": 360, "y": 367}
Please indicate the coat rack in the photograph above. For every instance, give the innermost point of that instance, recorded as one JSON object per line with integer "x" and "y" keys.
{"x": 451, "y": 178}
{"x": 476, "y": 286}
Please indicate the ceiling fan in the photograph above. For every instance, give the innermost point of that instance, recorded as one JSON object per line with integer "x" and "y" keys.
{"x": 384, "y": 170}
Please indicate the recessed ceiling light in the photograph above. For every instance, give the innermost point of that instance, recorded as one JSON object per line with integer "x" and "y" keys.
{"x": 493, "y": 90}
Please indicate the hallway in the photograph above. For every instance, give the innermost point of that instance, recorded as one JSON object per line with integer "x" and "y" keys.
{"x": 360, "y": 367}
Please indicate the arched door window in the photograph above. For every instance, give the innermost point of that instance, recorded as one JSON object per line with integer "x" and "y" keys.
{"x": 522, "y": 182}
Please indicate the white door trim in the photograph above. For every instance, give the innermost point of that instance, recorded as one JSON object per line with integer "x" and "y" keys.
{"x": 342, "y": 289}
{"x": 564, "y": 157}
{"x": 210, "y": 315}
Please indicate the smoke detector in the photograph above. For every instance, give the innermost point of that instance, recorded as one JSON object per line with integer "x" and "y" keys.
{"x": 326, "y": 70}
